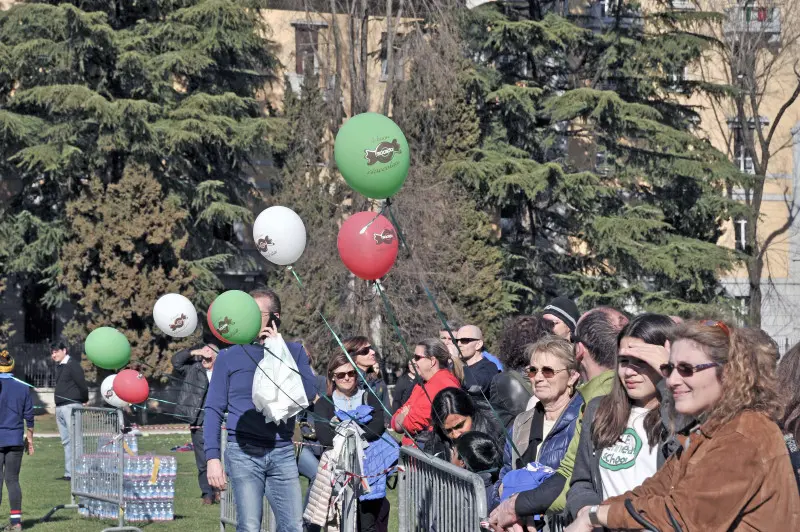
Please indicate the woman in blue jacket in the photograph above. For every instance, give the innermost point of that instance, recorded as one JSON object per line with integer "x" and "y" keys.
{"x": 16, "y": 409}
{"x": 542, "y": 434}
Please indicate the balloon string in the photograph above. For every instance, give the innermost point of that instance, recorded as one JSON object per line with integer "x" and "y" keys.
{"x": 352, "y": 362}
{"x": 297, "y": 277}
{"x": 167, "y": 375}
{"x": 440, "y": 315}
{"x": 399, "y": 334}
{"x": 377, "y": 215}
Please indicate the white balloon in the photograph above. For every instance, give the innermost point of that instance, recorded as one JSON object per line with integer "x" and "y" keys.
{"x": 280, "y": 235}
{"x": 107, "y": 391}
{"x": 175, "y": 315}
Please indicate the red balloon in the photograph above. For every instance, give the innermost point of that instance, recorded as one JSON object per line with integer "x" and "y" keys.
{"x": 131, "y": 386}
{"x": 368, "y": 245}
{"x": 214, "y": 329}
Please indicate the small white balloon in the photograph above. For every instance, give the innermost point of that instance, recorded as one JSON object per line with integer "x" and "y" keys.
{"x": 280, "y": 235}
{"x": 109, "y": 396}
{"x": 175, "y": 315}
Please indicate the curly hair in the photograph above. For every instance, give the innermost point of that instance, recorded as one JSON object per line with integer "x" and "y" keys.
{"x": 518, "y": 333}
{"x": 789, "y": 380}
{"x": 746, "y": 370}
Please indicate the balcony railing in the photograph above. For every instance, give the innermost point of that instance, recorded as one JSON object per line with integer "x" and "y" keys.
{"x": 753, "y": 21}
{"x": 683, "y": 5}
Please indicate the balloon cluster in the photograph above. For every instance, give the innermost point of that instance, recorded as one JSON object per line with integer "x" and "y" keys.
{"x": 372, "y": 154}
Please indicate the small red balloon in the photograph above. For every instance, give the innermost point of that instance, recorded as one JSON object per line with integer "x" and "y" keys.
{"x": 368, "y": 245}
{"x": 212, "y": 328}
{"x": 131, "y": 386}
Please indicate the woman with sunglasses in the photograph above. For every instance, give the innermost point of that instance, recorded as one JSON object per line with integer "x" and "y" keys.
{"x": 733, "y": 471}
{"x": 346, "y": 401}
{"x": 431, "y": 358}
{"x": 542, "y": 434}
{"x": 365, "y": 357}
{"x": 624, "y": 436}
{"x": 456, "y": 412}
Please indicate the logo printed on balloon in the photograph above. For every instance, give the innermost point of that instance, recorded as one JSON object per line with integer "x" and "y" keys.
{"x": 179, "y": 322}
{"x": 224, "y": 325}
{"x": 264, "y": 243}
{"x": 384, "y": 237}
{"x": 382, "y": 153}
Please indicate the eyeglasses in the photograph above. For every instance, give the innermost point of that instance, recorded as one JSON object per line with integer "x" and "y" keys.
{"x": 547, "y": 372}
{"x": 684, "y": 368}
{"x": 713, "y": 323}
{"x": 363, "y": 351}
{"x": 465, "y": 341}
{"x": 417, "y": 358}
{"x": 344, "y": 374}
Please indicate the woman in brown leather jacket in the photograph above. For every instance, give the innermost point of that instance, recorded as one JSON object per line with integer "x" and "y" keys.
{"x": 733, "y": 471}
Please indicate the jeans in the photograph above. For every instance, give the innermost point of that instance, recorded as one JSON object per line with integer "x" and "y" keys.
{"x": 64, "y": 421}
{"x": 10, "y": 463}
{"x": 198, "y": 442}
{"x": 256, "y": 472}
{"x": 307, "y": 465}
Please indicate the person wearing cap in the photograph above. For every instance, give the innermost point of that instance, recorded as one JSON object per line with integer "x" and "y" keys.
{"x": 16, "y": 411}
{"x": 71, "y": 392}
{"x": 563, "y": 313}
{"x": 194, "y": 367}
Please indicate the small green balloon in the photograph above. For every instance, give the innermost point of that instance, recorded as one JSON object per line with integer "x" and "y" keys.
{"x": 372, "y": 155}
{"x": 107, "y": 348}
{"x": 236, "y": 317}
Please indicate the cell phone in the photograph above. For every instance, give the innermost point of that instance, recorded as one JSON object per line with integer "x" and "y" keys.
{"x": 274, "y": 321}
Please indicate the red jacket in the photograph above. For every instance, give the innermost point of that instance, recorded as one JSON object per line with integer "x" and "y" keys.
{"x": 418, "y": 418}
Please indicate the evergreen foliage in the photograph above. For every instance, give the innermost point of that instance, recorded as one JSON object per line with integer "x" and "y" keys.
{"x": 89, "y": 89}
{"x": 124, "y": 249}
{"x": 588, "y": 154}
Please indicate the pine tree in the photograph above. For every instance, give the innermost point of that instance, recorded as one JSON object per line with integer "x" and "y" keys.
{"x": 587, "y": 152}
{"x": 124, "y": 249}
{"x": 88, "y": 89}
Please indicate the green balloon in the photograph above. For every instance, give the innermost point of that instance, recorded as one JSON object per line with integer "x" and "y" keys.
{"x": 372, "y": 155}
{"x": 107, "y": 348}
{"x": 236, "y": 317}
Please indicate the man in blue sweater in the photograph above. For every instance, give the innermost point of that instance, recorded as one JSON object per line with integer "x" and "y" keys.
{"x": 259, "y": 456}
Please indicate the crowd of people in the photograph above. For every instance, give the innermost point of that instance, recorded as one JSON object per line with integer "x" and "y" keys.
{"x": 593, "y": 421}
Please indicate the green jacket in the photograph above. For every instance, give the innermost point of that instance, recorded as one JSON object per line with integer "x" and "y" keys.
{"x": 598, "y": 386}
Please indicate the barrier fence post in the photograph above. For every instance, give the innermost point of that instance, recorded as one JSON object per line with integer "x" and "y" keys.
{"x": 97, "y": 438}
{"x": 436, "y": 495}
{"x": 227, "y": 502}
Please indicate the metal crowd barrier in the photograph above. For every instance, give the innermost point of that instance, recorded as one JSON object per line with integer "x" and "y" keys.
{"x": 97, "y": 436}
{"x": 227, "y": 503}
{"x": 436, "y": 495}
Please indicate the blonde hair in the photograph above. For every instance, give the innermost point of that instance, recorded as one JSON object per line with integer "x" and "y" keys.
{"x": 746, "y": 370}
{"x": 557, "y": 347}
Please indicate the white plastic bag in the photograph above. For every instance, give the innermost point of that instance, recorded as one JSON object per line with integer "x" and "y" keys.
{"x": 278, "y": 391}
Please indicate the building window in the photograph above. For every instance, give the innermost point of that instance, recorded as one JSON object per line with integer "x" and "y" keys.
{"x": 306, "y": 39}
{"x": 398, "y": 57}
{"x": 740, "y": 233}
{"x": 742, "y": 153}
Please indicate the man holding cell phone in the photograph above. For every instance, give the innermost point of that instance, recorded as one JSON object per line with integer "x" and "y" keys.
{"x": 259, "y": 456}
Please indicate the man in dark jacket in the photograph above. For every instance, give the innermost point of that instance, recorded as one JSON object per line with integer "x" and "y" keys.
{"x": 71, "y": 392}
{"x": 194, "y": 367}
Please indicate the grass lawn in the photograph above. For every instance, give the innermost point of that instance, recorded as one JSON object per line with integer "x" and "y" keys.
{"x": 41, "y": 491}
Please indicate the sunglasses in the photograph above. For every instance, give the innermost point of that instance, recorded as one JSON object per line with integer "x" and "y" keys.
{"x": 684, "y": 368}
{"x": 547, "y": 372}
{"x": 465, "y": 341}
{"x": 712, "y": 323}
{"x": 208, "y": 359}
{"x": 417, "y": 358}
{"x": 363, "y": 351}
{"x": 344, "y": 374}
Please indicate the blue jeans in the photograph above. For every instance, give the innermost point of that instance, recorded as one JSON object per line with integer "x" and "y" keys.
{"x": 64, "y": 422}
{"x": 307, "y": 465}
{"x": 257, "y": 472}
